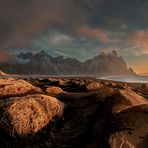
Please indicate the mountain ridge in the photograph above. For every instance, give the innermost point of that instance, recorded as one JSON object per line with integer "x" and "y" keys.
{"x": 42, "y": 63}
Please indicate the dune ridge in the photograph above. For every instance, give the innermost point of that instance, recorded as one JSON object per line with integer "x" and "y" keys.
{"x": 72, "y": 112}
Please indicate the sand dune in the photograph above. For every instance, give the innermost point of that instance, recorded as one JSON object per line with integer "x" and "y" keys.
{"x": 90, "y": 113}
{"x": 129, "y": 128}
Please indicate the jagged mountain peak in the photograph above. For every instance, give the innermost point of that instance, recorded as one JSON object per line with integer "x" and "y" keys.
{"x": 131, "y": 70}
{"x": 25, "y": 55}
{"x": 42, "y": 53}
{"x": 107, "y": 63}
{"x": 108, "y": 53}
{"x": 59, "y": 58}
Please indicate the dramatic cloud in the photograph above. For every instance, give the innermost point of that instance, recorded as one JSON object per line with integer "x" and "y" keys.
{"x": 78, "y": 28}
{"x": 93, "y": 33}
{"x": 22, "y": 20}
{"x": 60, "y": 39}
{"x": 140, "y": 39}
{"x": 4, "y": 54}
{"x": 27, "y": 19}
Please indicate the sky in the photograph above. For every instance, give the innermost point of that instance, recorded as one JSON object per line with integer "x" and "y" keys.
{"x": 76, "y": 28}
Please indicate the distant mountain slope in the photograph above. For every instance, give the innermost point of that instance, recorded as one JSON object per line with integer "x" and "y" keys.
{"x": 42, "y": 63}
{"x": 2, "y": 73}
{"x": 106, "y": 63}
{"x": 25, "y": 55}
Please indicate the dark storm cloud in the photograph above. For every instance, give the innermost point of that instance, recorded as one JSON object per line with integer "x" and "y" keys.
{"x": 22, "y": 20}
{"x": 118, "y": 12}
{"x": 75, "y": 28}
{"x": 92, "y": 33}
{"x": 5, "y": 56}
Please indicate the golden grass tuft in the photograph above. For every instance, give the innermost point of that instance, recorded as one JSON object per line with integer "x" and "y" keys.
{"x": 54, "y": 90}
{"x": 6, "y": 80}
{"x": 27, "y": 115}
{"x": 14, "y": 88}
{"x": 93, "y": 86}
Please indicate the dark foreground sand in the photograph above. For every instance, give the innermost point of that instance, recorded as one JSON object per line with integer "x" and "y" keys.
{"x": 72, "y": 112}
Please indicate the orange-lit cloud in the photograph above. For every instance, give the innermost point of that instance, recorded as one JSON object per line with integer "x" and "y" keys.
{"x": 58, "y": 39}
{"x": 93, "y": 33}
{"x": 139, "y": 65}
{"x": 3, "y": 56}
{"x": 140, "y": 39}
{"x": 141, "y": 69}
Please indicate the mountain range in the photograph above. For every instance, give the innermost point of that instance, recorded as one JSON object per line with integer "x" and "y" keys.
{"x": 43, "y": 64}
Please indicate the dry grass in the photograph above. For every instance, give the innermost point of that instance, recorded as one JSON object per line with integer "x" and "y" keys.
{"x": 6, "y": 80}
{"x": 93, "y": 86}
{"x": 13, "y": 88}
{"x": 132, "y": 97}
{"x": 119, "y": 99}
{"x": 125, "y": 99}
{"x": 105, "y": 93}
{"x": 28, "y": 115}
{"x": 54, "y": 90}
{"x": 129, "y": 128}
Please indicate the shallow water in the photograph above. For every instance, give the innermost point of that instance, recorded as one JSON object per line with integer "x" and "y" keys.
{"x": 127, "y": 78}
{"x": 123, "y": 78}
